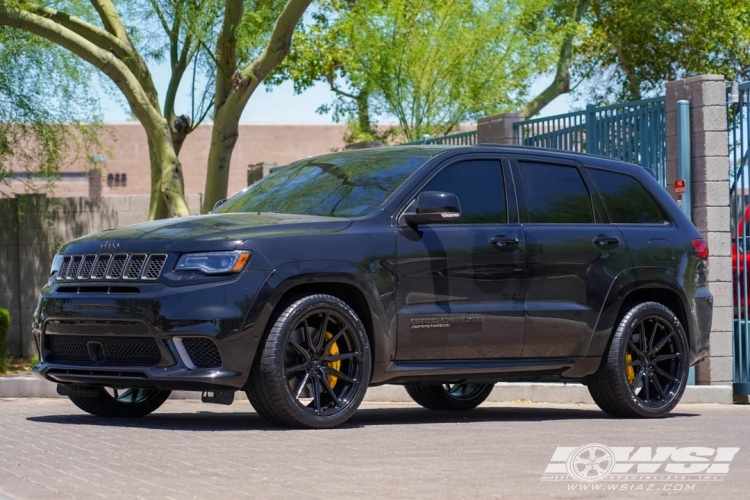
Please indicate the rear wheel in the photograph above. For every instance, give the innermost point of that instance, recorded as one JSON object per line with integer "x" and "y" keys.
{"x": 315, "y": 365}
{"x": 127, "y": 403}
{"x": 449, "y": 397}
{"x": 645, "y": 371}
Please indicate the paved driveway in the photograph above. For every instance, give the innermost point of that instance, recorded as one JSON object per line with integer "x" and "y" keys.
{"x": 48, "y": 449}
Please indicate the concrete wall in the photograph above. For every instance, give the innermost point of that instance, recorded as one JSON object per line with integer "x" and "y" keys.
{"x": 32, "y": 228}
{"x": 709, "y": 158}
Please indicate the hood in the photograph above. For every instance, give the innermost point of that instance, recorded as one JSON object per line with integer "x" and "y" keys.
{"x": 203, "y": 232}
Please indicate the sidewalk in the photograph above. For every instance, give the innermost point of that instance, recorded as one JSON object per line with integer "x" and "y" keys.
{"x": 31, "y": 387}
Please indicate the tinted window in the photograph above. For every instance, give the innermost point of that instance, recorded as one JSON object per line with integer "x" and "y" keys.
{"x": 555, "y": 194}
{"x": 339, "y": 184}
{"x": 625, "y": 199}
{"x": 479, "y": 187}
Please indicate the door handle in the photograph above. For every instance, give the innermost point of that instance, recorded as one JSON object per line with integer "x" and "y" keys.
{"x": 603, "y": 240}
{"x": 504, "y": 241}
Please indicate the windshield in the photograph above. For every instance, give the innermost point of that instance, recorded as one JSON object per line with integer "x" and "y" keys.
{"x": 346, "y": 184}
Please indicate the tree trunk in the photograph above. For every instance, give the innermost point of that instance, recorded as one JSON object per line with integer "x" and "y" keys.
{"x": 157, "y": 208}
{"x": 223, "y": 139}
{"x": 167, "y": 189}
{"x": 561, "y": 84}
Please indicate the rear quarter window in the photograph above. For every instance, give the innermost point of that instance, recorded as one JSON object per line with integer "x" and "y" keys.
{"x": 626, "y": 200}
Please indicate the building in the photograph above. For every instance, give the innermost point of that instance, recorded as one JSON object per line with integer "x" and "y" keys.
{"x": 124, "y": 164}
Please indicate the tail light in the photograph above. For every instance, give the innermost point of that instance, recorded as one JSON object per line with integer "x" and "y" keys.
{"x": 701, "y": 248}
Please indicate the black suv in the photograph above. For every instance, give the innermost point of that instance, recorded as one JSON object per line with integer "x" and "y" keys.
{"x": 445, "y": 269}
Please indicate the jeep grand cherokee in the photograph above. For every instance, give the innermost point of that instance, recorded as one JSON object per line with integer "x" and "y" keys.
{"x": 445, "y": 269}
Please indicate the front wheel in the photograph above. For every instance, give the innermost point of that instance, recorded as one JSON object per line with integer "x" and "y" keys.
{"x": 449, "y": 397}
{"x": 315, "y": 365}
{"x": 127, "y": 403}
{"x": 645, "y": 371}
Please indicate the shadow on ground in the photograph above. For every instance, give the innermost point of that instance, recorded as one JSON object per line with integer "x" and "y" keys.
{"x": 227, "y": 421}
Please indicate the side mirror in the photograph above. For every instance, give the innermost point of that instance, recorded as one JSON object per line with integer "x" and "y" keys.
{"x": 433, "y": 206}
{"x": 218, "y": 204}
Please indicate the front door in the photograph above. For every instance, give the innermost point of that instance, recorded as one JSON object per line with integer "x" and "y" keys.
{"x": 460, "y": 283}
{"x": 572, "y": 258}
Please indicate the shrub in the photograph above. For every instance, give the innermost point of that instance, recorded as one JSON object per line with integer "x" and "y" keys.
{"x": 4, "y": 327}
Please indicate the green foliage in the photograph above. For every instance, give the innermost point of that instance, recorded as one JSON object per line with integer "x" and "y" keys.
{"x": 631, "y": 49}
{"x": 47, "y": 116}
{"x": 430, "y": 65}
{"x": 4, "y": 327}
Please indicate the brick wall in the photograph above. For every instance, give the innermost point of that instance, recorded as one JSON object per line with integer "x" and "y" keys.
{"x": 32, "y": 228}
{"x": 126, "y": 150}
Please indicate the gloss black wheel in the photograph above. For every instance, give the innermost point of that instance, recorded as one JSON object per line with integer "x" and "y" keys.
{"x": 127, "y": 403}
{"x": 315, "y": 365}
{"x": 449, "y": 397}
{"x": 646, "y": 369}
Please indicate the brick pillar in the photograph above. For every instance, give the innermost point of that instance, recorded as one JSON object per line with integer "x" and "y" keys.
{"x": 498, "y": 129}
{"x": 709, "y": 158}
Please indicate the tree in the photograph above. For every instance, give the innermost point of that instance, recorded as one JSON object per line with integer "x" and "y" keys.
{"x": 233, "y": 56}
{"x": 35, "y": 131}
{"x": 429, "y": 65}
{"x": 615, "y": 50}
{"x": 633, "y": 48}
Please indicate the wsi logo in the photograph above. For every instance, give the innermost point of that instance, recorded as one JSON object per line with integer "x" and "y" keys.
{"x": 597, "y": 462}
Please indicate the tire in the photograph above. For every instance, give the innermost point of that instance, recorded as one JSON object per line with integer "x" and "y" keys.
{"x": 645, "y": 371}
{"x": 314, "y": 367}
{"x": 122, "y": 403}
{"x": 449, "y": 397}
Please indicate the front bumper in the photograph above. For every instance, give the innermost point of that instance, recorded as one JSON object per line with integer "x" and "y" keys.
{"x": 138, "y": 339}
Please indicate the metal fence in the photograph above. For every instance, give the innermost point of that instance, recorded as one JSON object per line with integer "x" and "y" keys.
{"x": 460, "y": 139}
{"x": 632, "y": 131}
{"x": 738, "y": 108}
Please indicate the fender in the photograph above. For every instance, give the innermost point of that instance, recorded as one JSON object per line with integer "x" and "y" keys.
{"x": 633, "y": 280}
{"x": 623, "y": 285}
{"x": 377, "y": 289}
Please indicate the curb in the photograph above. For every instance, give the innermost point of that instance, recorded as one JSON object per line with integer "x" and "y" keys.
{"x": 532, "y": 392}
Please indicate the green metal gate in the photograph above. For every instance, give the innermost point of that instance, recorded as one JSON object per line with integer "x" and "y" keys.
{"x": 738, "y": 99}
{"x": 632, "y": 131}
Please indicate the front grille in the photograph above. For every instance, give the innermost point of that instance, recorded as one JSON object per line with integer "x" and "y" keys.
{"x": 79, "y": 349}
{"x": 202, "y": 351}
{"x": 74, "y": 265}
{"x": 100, "y": 271}
{"x": 118, "y": 264}
{"x": 137, "y": 266}
{"x": 153, "y": 268}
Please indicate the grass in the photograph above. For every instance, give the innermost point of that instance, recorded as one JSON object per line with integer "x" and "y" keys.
{"x": 18, "y": 366}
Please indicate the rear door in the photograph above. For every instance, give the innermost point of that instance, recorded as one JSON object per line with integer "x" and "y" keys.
{"x": 460, "y": 282}
{"x": 572, "y": 256}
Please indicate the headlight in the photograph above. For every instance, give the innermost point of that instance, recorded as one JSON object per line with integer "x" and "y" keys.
{"x": 56, "y": 263}
{"x": 213, "y": 262}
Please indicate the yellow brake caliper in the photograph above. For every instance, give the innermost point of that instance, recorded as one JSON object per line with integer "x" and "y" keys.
{"x": 629, "y": 370}
{"x": 336, "y": 365}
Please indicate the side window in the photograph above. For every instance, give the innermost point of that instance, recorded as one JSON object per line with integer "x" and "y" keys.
{"x": 626, "y": 200}
{"x": 555, "y": 194}
{"x": 479, "y": 187}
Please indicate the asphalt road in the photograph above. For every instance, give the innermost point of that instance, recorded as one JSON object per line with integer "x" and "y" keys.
{"x": 49, "y": 449}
